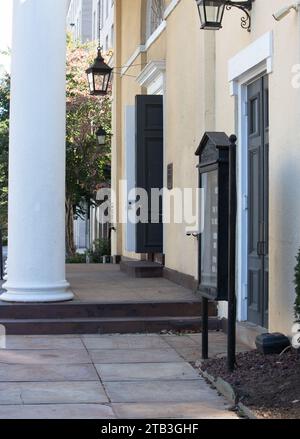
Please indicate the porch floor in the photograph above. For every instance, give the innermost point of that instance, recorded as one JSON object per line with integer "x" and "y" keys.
{"x": 109, "y": 301}
{"x": 107, "y": 284}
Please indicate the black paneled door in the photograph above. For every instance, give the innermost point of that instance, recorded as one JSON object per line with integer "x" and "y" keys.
{"x": 258, "y": 208}
{"x": 149, "y": 169}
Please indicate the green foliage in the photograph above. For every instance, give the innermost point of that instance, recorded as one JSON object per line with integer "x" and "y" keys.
{"x": 101, "y": 247}
{"x": 86, "y": 162}
{"x": 4, "y": 141}
{"x": 76, "y": 259}
{"x": 297, "y": 284}
{"x": 85, "y": 113}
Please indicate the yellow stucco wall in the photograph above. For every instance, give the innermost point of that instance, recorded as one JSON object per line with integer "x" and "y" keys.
{"x": 197, "y": 98}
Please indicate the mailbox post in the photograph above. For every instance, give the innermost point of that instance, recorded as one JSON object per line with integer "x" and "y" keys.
{"x": 217, "y": 178}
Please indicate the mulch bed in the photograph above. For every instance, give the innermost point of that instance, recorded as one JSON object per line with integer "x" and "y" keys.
{"x": 268, "y": 385}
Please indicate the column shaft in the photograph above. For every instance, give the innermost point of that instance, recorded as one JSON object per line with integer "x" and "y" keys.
{"x": 36, "y": 269}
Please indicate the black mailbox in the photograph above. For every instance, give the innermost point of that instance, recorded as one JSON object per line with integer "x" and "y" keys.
{"x": 213, "y": 166}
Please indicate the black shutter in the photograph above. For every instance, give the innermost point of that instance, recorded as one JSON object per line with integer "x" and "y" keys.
{"x": 149, "y": 167}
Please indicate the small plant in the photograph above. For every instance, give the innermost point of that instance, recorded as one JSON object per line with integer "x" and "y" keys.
{"x": 297, "y": 289}
{"x": 76, "y": 259}
{"x": 101, "y": 247}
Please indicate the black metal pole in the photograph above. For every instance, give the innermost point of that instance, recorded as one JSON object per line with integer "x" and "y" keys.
{"x": 231, "y": 354}
{"x": 1, "y": 256}
{"x": 204, "y": 328}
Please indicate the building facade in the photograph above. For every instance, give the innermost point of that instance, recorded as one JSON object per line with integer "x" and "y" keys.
{"x": 85, "y": 19}
{"x": 79, "y": 20}
{"x": 106, "y": 18}
{"x": 183, "y": 81}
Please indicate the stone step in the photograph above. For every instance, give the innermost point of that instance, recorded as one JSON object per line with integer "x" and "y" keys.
{"x": 73, "y": 310}
{"x": 142, "y": 269}
{"x": 105, "y": 325}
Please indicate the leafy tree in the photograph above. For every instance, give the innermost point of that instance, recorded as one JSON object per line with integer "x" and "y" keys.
{"x": 86, "y": 163}
{"x": 4, "y": 140}
{"x": 297, "y": 284}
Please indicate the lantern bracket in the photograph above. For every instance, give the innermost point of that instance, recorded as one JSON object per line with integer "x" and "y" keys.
{"x": 245, "y": 7}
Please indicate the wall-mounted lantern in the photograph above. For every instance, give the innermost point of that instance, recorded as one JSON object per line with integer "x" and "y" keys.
{"x": 211, "y": 12}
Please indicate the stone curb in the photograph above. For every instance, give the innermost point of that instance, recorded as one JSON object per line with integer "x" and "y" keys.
{"x": 225, "y": 389}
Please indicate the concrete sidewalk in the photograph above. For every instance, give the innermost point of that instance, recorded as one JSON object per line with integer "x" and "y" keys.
{"x": 107, "y": 377}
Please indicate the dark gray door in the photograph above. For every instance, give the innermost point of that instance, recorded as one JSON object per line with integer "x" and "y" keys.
{"x": 258, "y": 191}
{"x": 149, "y": 168}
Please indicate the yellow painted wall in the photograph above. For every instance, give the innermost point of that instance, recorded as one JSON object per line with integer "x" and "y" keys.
{"x": 197, "y": 98}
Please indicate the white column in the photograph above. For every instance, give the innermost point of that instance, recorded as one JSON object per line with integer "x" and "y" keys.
{"x": 36, "y": 269}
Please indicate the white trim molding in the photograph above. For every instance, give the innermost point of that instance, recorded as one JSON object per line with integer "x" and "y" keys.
{"x": 152, "y": 77}
{"x": 253, "y": 56}
{"x": 131, "y": 60}
{"x": 170, "y": 8}
{"x": 144, "y": 47}
{"x": 152, "y": 38}
{"x": 249, "y": 64}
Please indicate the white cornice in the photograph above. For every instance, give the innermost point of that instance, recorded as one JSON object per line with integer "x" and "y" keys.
{"x": 260, "y": 51}
{"x": 151, "y": 73}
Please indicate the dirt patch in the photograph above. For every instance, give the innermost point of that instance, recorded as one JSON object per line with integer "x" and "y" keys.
{"x": 268, "y": 385}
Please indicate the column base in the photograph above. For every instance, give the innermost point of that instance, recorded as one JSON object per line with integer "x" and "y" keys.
{"x": 36, "y": 294}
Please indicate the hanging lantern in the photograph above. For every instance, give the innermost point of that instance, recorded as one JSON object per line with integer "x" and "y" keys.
{"x": 101, "y": 136}
{"x": 99, "y": 75}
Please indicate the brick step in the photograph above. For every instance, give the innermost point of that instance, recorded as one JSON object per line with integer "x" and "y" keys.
{"x": 104, "y": 325}
{"x": 83, "y": 310}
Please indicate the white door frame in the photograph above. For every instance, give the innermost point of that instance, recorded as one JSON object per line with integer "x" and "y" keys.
{"x": 248, "y": 65}
{"x": 130, "y": 165}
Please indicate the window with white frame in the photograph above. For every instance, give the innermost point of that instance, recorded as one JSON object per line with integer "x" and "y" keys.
{"x": 155, "y": 15}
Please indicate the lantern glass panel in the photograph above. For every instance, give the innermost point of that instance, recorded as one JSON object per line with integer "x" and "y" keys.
{"x": 91, "y": 82}
{"x": 101, "y": 140}
{"x": 211, "y": 13}
{"x": 201, "y": 13}
{"x": 99, "y": 81}
{"x": 209, "y": 239}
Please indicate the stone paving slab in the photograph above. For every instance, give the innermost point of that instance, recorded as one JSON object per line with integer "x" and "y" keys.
{"x": 44, "y": 356}
{"x": 57, "y": 411}
{"x": 102, "y": 356}
{"x": 190, "y": 354}
{"x": 186, "y": 410}
{"x": 46, "y": 372}
{"x": 52, "y": 393}
{"x": 180, "y": 341}
{"x": 160, "y": 391}
{"x": 103, "y": 377}
{"x": 40, "y": 343}
{"x": 146, "y": 371}
{"x": 126, "y": 342}
{"x": 10, "y": 394}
